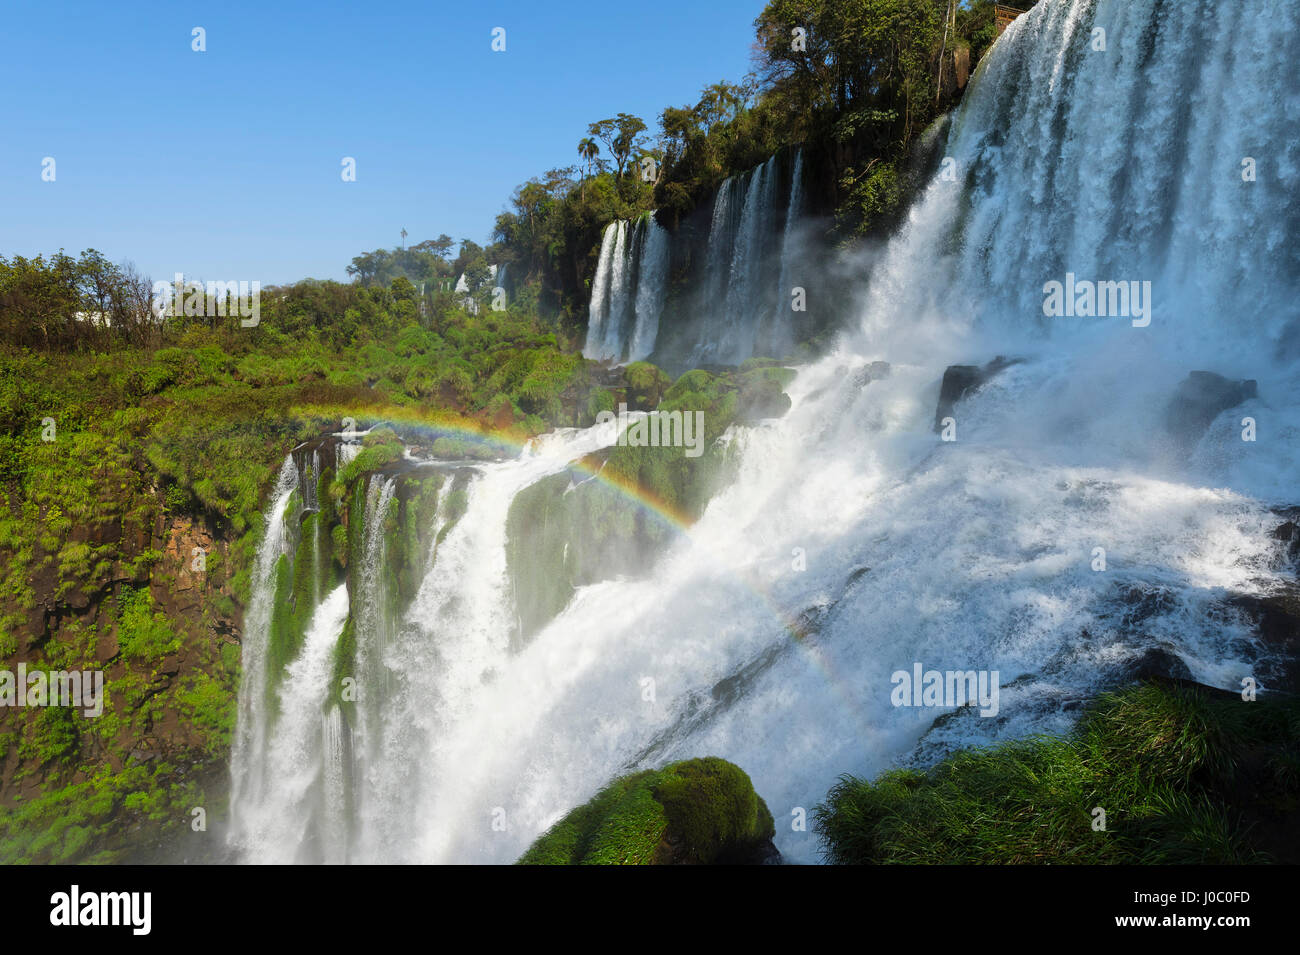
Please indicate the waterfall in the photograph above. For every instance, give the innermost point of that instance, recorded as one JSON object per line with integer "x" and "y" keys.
{"x": 619, "y": 296}
{"x": 719, "y": 261}
{"x": 610, "y": 296}
{"x": 248, "y": 751}
{"x": 317, "y": 787}
{"x": 651, "y": 282}
{"x": 781, "y": 332}
{"x": 973, "y": 554}
{"x": 630, "y": 290}
{"x": 334, "y": 811}
{"x": 853, "y": 541}
{"x": 377, "y": 630}
{"x": 275, "y": 821}
{"x": 721, "y": 235}
{"x": 736, "y": 342}
{"x": 627, "y": 296}
{"x": 731, "y": 300}
{"x": 598, "y": 310}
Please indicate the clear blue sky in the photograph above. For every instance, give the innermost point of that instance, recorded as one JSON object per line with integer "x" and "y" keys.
{"x": 225, "y": 164}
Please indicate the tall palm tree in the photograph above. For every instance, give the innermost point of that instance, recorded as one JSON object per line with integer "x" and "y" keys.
{"x": 588, "y": 149}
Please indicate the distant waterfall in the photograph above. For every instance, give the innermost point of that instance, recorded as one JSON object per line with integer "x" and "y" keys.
{"x": 298, "y": 746}
{"x": 627, "y": 295}
{"x": 735, "y": 298}
{"x": 598, "y": 310}
{"x": 290, "y": 633}
{"x": 780, "y": 331}
{"x": 722, "y": 230}
{"x": 734, "y": 340}
{"x": 651, "y": 287}
{"x": 616, "y": 321}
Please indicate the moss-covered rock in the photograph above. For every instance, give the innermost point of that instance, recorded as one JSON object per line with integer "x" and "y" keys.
{"x": 538, "y": 529}
{"x": 693, "y": 812}
{"x": 645, "y": 384}
{"x": 379, "y": 448}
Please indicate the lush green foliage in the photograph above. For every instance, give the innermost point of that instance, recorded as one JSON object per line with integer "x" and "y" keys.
{"x": 143, "y": 633}
{"x": 55, "y": 302}
{"x": 66, "y": 825}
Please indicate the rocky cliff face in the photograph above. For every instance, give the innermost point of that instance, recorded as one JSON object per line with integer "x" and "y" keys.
{"x": 159, "y": 617}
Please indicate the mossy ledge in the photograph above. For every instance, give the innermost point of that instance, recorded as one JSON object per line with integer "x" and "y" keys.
{"x": 1184, "y": 773}
{"x": 694, "y": 812}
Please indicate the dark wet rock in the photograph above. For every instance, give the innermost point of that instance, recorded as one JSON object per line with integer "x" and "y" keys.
{"x": 762, "y": 395}
{"x": 77, "y": 599}
{"x": 606, "y": 374}
{"x": 1185, "y": 683}
{"x": 1288, "y": 532}
{"x": 876, "y": 371}
{"x": 731, "y": 689}
{"x": 1200, "y": 398}
{"x": 1159, "y": 662}
{"x": 855, "y": 575}
{"x": 769, "y": 402}
{"x": 960, "y": 380}
{"x": 1141, "y": 603}
{"x": 811, "y": 619}
{"x": 1276, "y": 619}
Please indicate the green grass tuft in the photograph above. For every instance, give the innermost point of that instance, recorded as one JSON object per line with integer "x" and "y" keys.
{"x": 1183, "y": 775}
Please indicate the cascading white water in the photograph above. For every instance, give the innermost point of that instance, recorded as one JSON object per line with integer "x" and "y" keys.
{"x": 627, "y": 297}
{"x": 735, "y": 341}
{"x": 853, "y": 524}
{"x": 376, "y": 632}
{"x": 275, "y": 828}
{"x": 620, "y": 279}
{"x": 733, "y": 300}
{"x": 630, "y": 287}
{"x": 721, "y": 236}
{"x": 454, "y": 640}
{"x": 248, "y": 755}
{"x": 598, "y": 310}
{"x": 334, "y": 781}
{"x": 417, "y": 669}
{"x": 781, "y": 332}
{"x": 729, "y": 325}
{"x": 651, "y": 287}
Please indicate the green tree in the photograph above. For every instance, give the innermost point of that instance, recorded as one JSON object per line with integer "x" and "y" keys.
{"x": 620, "y": 136}
{"x": 588, "y": 149}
